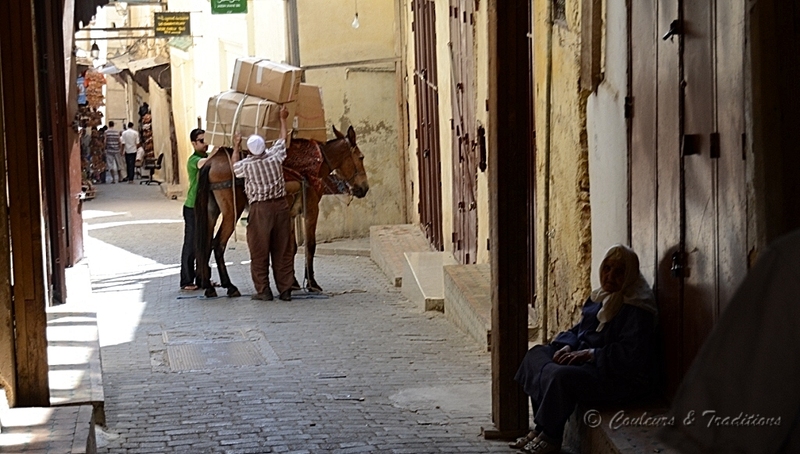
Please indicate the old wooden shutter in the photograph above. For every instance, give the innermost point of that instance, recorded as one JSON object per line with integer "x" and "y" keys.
{"x": 465, "y": 144}
{"x": 427, "y": 97}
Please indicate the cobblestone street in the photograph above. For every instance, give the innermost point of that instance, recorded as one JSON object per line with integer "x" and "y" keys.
{"x": 360, "y": 371}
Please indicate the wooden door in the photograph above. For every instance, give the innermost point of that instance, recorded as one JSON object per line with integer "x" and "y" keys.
{"x": 464, "y": 129}
{"x": 688, "y": 210}
{"x": 427, "y": 131}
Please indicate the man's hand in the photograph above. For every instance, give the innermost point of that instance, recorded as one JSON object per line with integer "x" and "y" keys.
{"x": 237, "y": 141}
{"x": 558, "y": 358}
{"x": 284, "y": 112}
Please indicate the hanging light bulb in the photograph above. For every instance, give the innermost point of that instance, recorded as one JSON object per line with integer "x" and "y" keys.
{"x": 95, "y": 51}
{"x": 355, "y": 23}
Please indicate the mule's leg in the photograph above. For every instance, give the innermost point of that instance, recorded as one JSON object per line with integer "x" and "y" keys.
{"x": 292, "y": 252}
{"x": 202, "y": 262}
{"x": 221, "y": 240}
{"x": 311, "y": 215}
{"x": 294, "y": 198}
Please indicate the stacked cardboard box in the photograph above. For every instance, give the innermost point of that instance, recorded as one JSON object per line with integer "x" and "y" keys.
{"x": 252, "y": 106}
{"x": 310, "y": 116}
{"x": 266, "y": 79}
{"x": 259, "y": 88}
{"x": 232, "y": 111}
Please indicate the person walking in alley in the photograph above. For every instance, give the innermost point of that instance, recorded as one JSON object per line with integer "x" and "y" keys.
{"x": 189, "y": 279}
{"x": 114, "y": 159}
{"x": 269, "y": 222}
{"x": 130, "y": 141}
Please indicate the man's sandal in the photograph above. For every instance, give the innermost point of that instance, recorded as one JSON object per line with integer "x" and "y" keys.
{"x": 522, "y": 441}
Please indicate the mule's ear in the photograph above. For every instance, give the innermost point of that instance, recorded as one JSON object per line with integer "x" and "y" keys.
{"x": 338, "y": 134}
{"x": 351, "y": 136}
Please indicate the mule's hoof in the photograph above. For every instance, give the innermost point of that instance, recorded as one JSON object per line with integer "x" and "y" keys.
{"x": 210, "y": 293}
{"x": 315, "y": 288}
{"x": 233, "y": 292}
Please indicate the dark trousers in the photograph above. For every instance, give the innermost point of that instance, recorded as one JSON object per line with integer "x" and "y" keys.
{"x": 269, "y": 236}
{"x": 130, "y": 162}
{"x": 555, "y": 389}
{"x": 188, "y": 259}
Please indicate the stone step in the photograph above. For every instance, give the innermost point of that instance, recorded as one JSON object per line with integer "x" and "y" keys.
{"x": 468, "y": 302}
{"x": 616, "y": 435}
{"x": 423, "y": 278}
{"x": 53, "y": 430}
{"x": 349, "y": 246}
{"x": 73, "y": 347}
{"x": 388, "y": 243}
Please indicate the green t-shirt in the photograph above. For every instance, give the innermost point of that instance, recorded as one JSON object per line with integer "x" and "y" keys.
{"x": 191, "y": 167}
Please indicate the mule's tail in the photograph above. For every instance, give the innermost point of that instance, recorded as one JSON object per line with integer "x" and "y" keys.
{"x": 202, "y": 236}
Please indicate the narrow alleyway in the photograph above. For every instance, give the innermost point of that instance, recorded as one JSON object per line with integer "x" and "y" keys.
{"x": 361, "y": 371}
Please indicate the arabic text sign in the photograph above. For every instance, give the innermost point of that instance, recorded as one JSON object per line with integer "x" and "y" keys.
{"x": 172, "y": 24}
{"x": 228, "y": 6}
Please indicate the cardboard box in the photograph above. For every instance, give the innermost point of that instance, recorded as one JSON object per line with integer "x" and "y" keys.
{"x": 266, "y": 79}
{"x": 309, "y": 121}
{"x": 232, "y": 111}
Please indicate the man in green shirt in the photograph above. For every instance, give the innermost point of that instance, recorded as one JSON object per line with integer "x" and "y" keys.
{"x": 189, "y": 279}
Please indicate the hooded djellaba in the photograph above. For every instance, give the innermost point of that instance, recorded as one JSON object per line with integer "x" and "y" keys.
{"x": 608, "y": 357}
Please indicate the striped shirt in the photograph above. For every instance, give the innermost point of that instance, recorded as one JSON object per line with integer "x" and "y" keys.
{"x": 112, "y": 140}
{"x": 263, "y": 174}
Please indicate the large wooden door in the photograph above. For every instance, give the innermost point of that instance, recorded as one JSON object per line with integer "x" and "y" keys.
{"x": 427, "y": 131}
{"x": 465, "y": 132}
{"x": 688, "y": 205}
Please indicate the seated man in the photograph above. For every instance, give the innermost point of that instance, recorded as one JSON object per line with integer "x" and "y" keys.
{"x": 607, "y": 357}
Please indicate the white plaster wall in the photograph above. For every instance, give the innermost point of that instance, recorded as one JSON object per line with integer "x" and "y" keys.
{"x": 410, "y": 104}
{"x": 482, "y": 116}
{"x": 444, "y": 82}
{"x": 359, "y": 71}
{"x": 160, "y": 112}
{"x": 608, "y": 148}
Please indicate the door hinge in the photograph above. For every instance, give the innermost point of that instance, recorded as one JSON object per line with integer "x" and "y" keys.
{"x": 678, "y": 268}
{"x": 628, "y": 107}
{"x": 482, "y": 148}
{"x": 690, "y": 144}
{"x": 488, "y": 244}
{"x": 419, "y": 207}
{"x": 715, "y": 145}
{"x": 744, "y": 146}
{"x": 454, "y": 239}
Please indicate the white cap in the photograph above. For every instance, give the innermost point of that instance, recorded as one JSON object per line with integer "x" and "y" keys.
{"x": 256, "y": 145}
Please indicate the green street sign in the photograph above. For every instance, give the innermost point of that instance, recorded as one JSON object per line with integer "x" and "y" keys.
{"x": 228, "y": 6}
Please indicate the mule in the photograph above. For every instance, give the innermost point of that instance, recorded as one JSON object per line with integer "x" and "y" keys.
{"x": 220, "y": 194}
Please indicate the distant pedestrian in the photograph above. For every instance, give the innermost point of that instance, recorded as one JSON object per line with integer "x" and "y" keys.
{"x": 130, "y": 141}
{"x": 114, "y": 156}
{"x": 269, "y": 221}
{"x": 189, "y": 279}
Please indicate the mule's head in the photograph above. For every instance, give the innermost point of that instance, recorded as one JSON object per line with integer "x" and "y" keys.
{"x": 351, "y": 169}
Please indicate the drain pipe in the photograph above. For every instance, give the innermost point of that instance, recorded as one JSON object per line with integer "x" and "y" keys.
{"x": 292, "y": 34}
{"x": 547, "y": 149}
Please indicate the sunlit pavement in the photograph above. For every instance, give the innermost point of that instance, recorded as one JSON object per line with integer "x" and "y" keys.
{"x": 360, "y": 371}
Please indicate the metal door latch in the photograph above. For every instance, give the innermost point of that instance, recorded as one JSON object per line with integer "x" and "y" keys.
{"x": 674, "y": 29}
{"x": 678, "y": 264}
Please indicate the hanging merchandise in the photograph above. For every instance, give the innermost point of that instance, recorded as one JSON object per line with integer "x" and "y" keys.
{"x": 94, "y": 82}
{"x": 147, "y": 137}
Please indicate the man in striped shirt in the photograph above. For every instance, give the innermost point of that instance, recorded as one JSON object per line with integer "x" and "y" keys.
{"x": 115, "y": 161}
{"x": 269, "y": 222}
